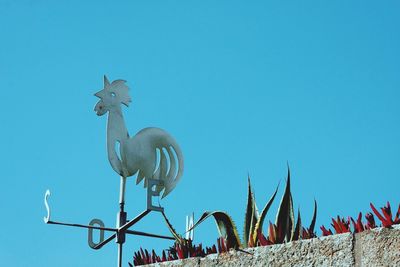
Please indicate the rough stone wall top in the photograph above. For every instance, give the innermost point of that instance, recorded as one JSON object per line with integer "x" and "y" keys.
{"x": 378, "y": 247}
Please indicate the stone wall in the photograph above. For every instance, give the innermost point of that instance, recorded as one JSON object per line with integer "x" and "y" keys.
{"x": 378, "y": 247}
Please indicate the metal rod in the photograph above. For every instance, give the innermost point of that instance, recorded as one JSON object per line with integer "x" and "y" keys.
{"x": 100, "y": 245}
{"x": 122, "y": 190}
{"x": 121, "y": 220}
{"x": 135, "y": 220}
{"x": 148, "y": 234}
{"x": 120, "y": 254}
{"x": 84, "y": 226}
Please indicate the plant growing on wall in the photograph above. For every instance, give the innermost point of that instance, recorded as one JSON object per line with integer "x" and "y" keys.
{"x": 340, "y": 225}
{"x": 284, "y": 230}
{"x": 386, "y": 217}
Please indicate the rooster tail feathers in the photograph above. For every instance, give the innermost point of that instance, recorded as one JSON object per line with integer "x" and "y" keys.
{"x": 168, "y": 165}
{"x": 176, "y": 167}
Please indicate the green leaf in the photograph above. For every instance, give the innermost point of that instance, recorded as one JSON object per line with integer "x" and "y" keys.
{"x": 226, "y": 227}
{"x": 291, "y": 227}
{"x": 251, "y": 216}
{"x": 298, "y": 229}
{"x": 284, "y": 218}
{"x": 261, "y": 218}
{"x": 177, "y": 236}
{"x": 314, "y": 218}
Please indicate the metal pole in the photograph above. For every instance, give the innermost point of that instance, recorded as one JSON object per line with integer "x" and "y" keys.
{"x": 120, "y": 254}
{"x": 122, "y": 190}
{"x": 121, "y": 234}
{"x": 121, "y": 220}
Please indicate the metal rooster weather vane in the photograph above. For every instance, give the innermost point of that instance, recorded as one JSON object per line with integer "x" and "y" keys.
{"x": 152, "y": 154}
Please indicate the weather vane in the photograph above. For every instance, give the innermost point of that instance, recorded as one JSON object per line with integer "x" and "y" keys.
{"x": 152, "y": 154}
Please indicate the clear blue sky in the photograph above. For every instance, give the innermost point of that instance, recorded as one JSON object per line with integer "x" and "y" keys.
{"x": 243, "y": 87}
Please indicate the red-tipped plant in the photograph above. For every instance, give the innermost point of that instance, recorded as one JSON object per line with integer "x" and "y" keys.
{"x": 325, "y": 232}
{"x": 370, "y": 221}
{"x": 181, "y": 251}
{"x": 178, "y": 251}
{"x": 386, "y": 218}
{"x": 262, "y": 240}
{"x": 144, "y": 257}
{"x": 341, "y": 225}
{"x": 211, "y": 250}
{"x": 358, "y": 225}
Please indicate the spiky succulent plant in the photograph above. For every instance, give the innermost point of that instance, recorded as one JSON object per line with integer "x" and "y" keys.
{"x": 284, "y": 229}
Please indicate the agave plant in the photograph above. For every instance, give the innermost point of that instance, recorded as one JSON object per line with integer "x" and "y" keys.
{"x": 284, "y": 229}
{"x": 227, "y": 228}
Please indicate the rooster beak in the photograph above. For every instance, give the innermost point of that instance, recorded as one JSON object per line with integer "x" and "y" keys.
{"x": 98, "y": 94}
